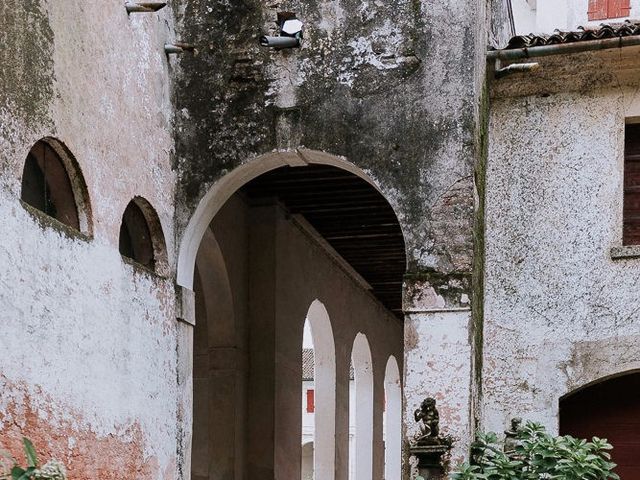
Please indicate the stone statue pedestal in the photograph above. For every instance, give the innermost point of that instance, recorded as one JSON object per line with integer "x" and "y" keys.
{"x": 430, "y": 460}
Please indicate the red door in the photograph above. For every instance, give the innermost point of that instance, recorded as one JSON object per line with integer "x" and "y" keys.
{"x": 610, "y": 410}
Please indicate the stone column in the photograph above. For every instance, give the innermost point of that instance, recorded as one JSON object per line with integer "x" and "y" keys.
{"x": 261, "y": 386}
{"x": 438, "y": 364}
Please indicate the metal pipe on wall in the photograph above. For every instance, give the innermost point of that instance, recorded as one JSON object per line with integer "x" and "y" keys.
{"x": 563, "y": 48}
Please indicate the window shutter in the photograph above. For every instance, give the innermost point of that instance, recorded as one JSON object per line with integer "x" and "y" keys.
{"x": 618, "y": 8}
{"x": 311, "y": 406}
{"x": 631, "y": 208}
{"x": 597, "y": 9}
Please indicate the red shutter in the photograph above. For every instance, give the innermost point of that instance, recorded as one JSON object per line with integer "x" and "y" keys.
{"x": 597, "y": 9}
{"x": 311, "y": 406}
{"x": 631, "y": 207}
{"x": 618, "y": 8}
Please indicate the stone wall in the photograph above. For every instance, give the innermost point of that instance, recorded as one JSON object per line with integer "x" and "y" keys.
{"x": 396, "y": 88}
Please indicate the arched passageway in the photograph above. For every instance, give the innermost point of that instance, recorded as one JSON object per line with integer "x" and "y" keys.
{"x": 314, "y": 243}
{"x": 609, "y": 409}
{"x": 323, "y": 402}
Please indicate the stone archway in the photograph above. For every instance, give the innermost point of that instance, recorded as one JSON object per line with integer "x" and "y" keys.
{"x": 273, "y": 237}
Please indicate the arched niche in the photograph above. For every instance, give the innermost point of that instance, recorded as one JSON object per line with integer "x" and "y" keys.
{"x": 363, "y": 411}
{"x": 52, "y": 183}
{"x": 141, "y": 238}
{"x": 392, "y": 421}
{"x": 325, "y": 391}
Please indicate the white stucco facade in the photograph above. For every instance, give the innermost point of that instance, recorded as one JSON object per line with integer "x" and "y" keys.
{"x": 545, "y": 16}
{"x": 560, "y": 303}
{"x": 93, "y": 330}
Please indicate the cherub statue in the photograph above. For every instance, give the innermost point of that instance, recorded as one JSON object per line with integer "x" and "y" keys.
{"x": 511, "y": 441}
{"x": 430, "y": 418}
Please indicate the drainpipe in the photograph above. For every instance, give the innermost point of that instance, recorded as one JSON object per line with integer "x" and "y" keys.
{"x": 564, "y": 48}
{"x": 515, "y": 68}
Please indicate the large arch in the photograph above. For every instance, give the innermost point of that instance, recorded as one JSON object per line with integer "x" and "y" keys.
{"x": 393, "y": 421}
{"x": 230, "y": 183}
{"x": 363, "y": 375}
{"x": 324, "y": 458}
{"x": 287, "y": 237}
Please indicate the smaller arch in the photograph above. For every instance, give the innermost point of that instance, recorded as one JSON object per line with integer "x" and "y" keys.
{"x": 324, "y": 371}
{"x": 52, "y": 183}
{"x": 605, "y": 375}
{"x": 607, "y": 409}
{"x": 392, "y": 421}
{"x": 141, "y": 237}
{"x": 363, "y": 375}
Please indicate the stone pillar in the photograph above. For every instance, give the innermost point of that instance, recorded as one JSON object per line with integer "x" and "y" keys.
{"x": 343, "y": 362}
{"x": 291, "y": 313}
{"x": 438, "y": 364}
{"x": 261, "y": 386}
{"x": 379, "y": 366}
{"x": 185, "y": 314}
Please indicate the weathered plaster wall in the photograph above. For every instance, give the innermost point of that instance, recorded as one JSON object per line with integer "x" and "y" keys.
{"x": 438, "y": 364}
{"x": 545, "y": 16}
{"x": 559, "y": 312}
{"x": 392, "y": 87}
{"x": 502, "y": 26}
{"x": 89, "y": 370}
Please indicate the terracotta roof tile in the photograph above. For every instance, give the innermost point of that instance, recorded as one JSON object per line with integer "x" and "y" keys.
{"x": 582, "y": 34}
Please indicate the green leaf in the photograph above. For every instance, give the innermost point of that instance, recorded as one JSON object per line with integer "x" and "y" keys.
{"x": 28, "y": 473}
{"x": 17, "y": 473}
{"x": 30, "y": 452}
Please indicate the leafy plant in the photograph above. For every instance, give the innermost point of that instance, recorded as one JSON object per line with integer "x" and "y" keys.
{"x": 538, "y": 455}
{"x": 10, "y": 470}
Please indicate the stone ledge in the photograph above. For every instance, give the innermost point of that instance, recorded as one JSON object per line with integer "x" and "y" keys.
{"x": 47, "y": 221}
{"x": 625, "y": 252}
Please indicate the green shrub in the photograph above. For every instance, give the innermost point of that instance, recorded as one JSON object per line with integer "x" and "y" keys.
{"x": 539, "y": 455}
{"x": 10, "y": 470}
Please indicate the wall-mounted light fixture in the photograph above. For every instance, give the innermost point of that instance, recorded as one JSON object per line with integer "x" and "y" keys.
{"x": 144, "y": 7}
{"x": 290, "y": 32}
{"x": 178, "y": 47}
